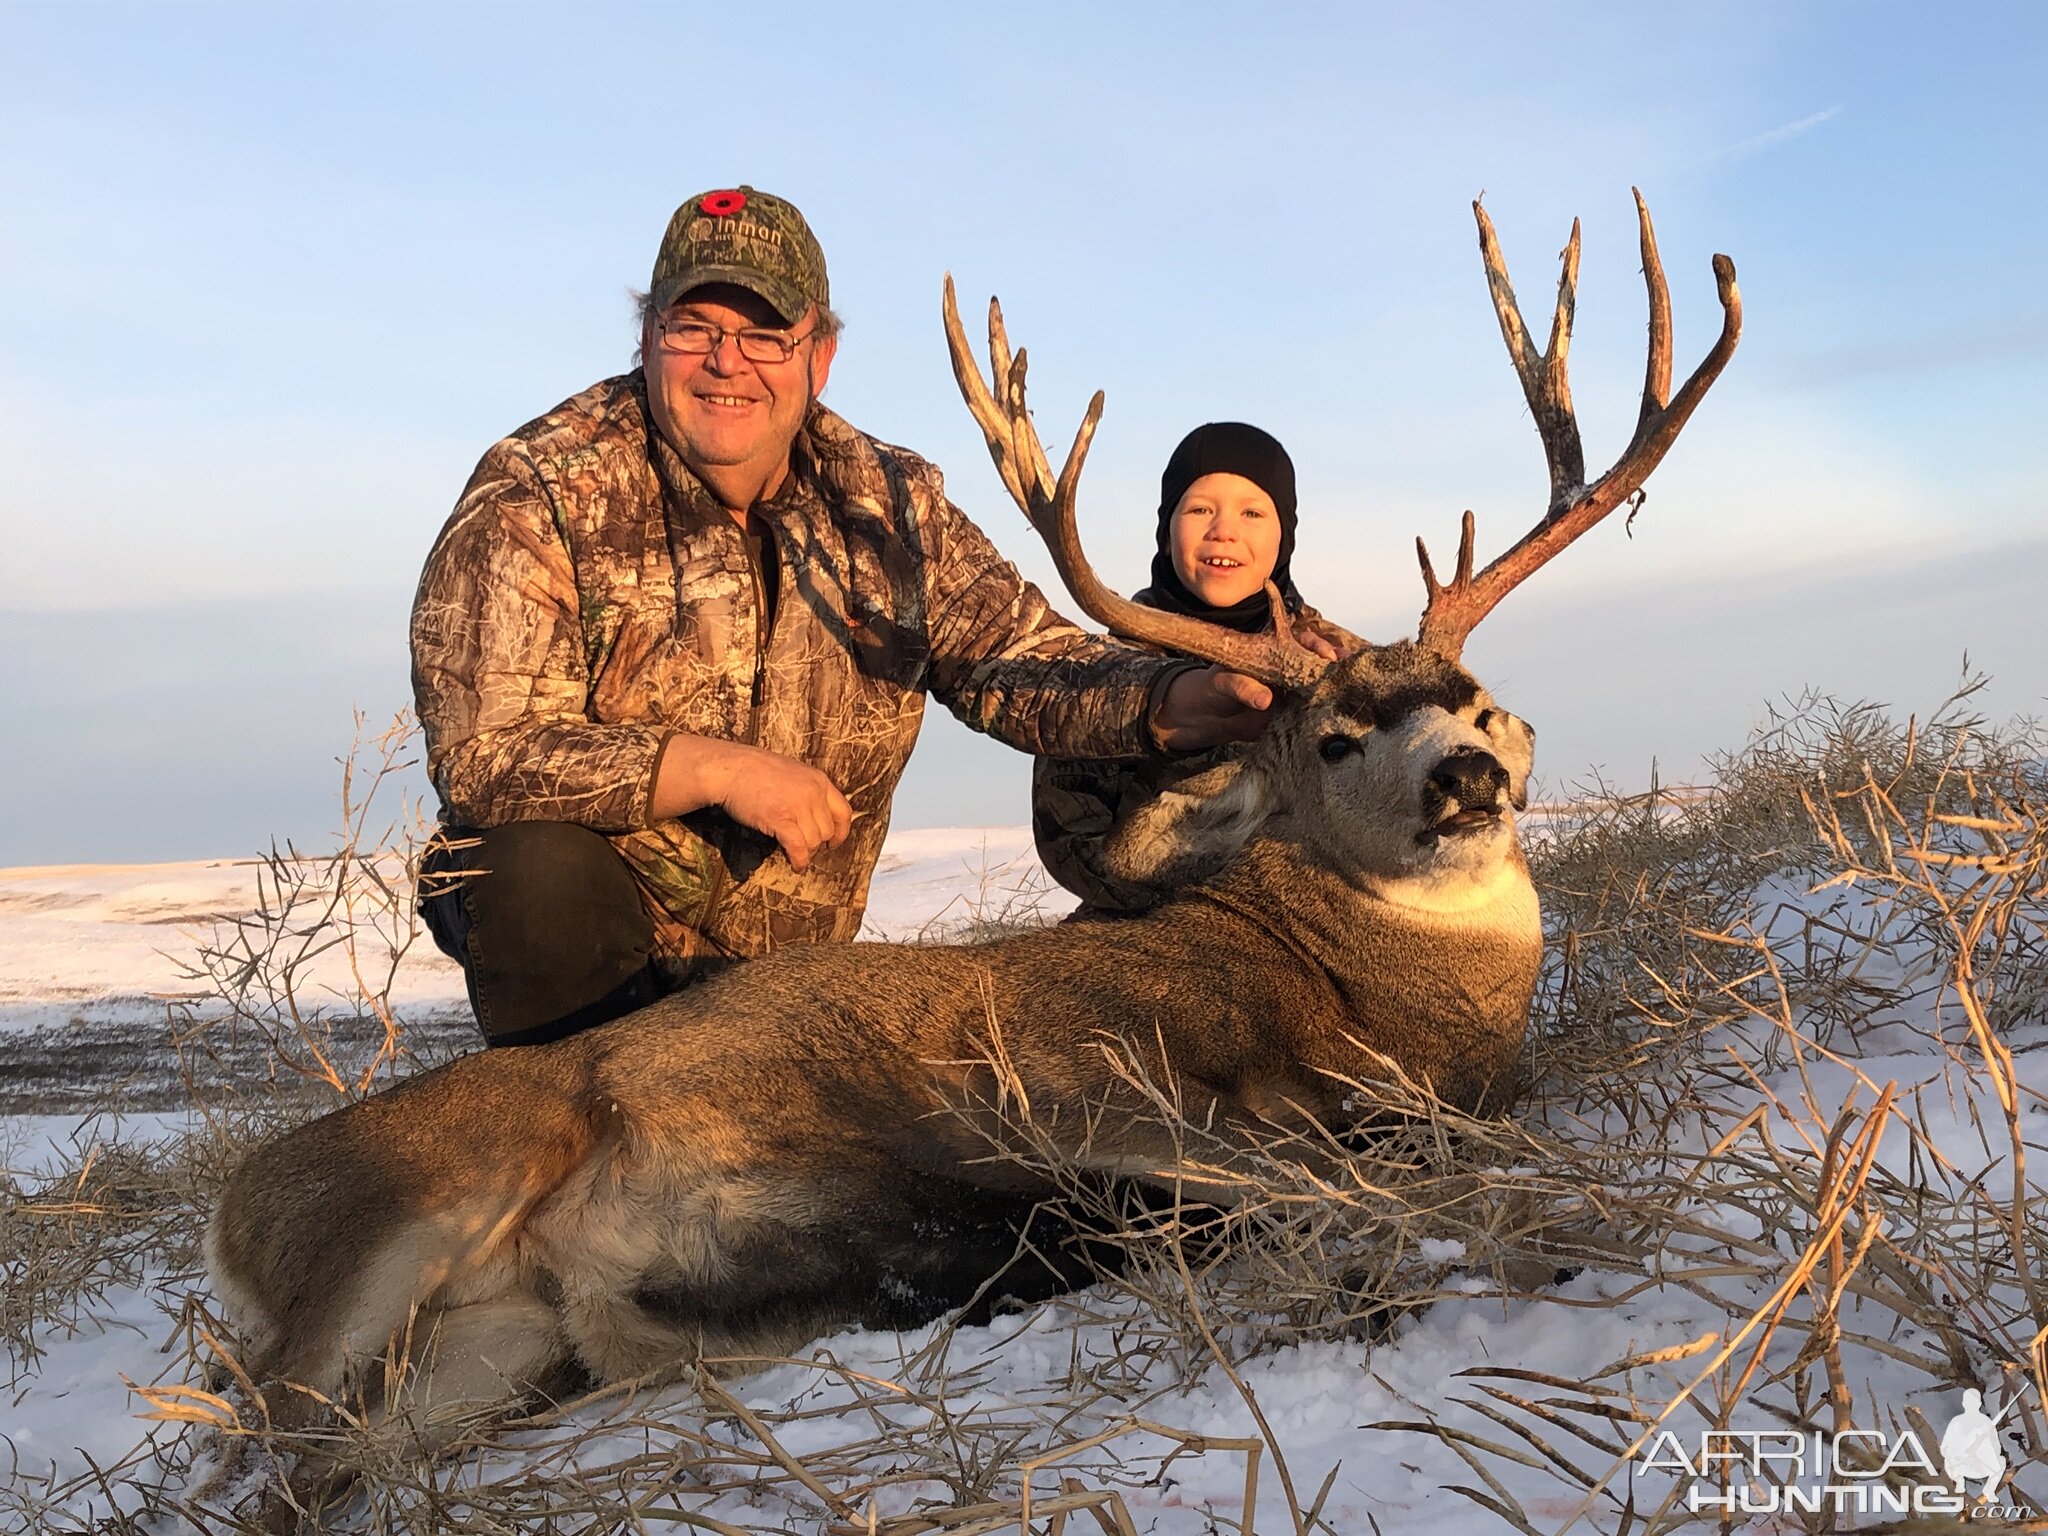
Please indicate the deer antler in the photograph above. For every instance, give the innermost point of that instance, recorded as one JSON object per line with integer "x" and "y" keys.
{"x": 1277, "y": 659}
{"x": 1455, "y": 608}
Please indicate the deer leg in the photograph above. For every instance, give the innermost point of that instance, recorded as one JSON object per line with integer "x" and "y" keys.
{"x": 480, "y": 1354}
{"x": 457, "y": 1362}
{"x": 664, "y": 1225}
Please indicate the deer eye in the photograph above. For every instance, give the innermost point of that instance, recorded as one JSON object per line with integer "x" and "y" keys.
{"x": 1335, "y": 749}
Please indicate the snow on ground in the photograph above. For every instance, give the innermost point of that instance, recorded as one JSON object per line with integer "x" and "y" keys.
{"x": 104, "y": 947}
{"x": 37, "y": 1145}
{"x": 112, "y": 943}
{"x": 930, "y": 880}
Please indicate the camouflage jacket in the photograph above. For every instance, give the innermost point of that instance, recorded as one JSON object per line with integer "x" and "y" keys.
{"x": 1080, "y": 805}
{"x": 589, "y": 599}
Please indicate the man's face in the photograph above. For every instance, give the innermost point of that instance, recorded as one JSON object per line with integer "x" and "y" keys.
{"x": 718, "y": 409}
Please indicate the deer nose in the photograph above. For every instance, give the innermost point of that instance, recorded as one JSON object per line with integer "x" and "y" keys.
{"x": 1472, "y": 776}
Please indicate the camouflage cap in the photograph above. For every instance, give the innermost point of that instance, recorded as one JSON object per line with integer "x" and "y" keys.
{"x": 752, "y": 239}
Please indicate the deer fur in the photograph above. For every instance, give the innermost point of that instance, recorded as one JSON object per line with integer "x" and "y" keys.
{"x": 803, "y": 1142}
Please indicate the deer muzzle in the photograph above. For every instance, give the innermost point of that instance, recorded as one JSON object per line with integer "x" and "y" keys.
{"x": 1466, "y": 792}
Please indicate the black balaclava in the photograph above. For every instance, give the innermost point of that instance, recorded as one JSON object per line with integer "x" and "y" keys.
{"x": 1232, "y": 448}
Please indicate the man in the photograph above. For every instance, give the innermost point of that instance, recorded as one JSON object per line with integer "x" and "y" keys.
{"x": 688, "y": 619}
{"x": 1970, "y": 1448}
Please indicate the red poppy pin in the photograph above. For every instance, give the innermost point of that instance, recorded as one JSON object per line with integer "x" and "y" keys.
{"x": 723, "y": 205}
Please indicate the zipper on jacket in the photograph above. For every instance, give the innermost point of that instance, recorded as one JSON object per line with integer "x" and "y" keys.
{"x": 719, "y": 878}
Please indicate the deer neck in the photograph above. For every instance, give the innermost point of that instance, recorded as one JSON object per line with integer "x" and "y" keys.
{"x": 1338, "y": 906}
{"x": 1437, "y": 975}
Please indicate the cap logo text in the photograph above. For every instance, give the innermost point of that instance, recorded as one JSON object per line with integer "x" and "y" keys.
{"x": 728, "y": 234}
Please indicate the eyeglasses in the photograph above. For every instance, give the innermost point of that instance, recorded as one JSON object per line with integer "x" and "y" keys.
{"x": 758, "y": 344}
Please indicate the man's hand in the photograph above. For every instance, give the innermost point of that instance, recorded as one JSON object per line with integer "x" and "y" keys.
{"x": 777, "y": 796}
{"x": 1208, "y": 706}
{"x": 789, "y": 801}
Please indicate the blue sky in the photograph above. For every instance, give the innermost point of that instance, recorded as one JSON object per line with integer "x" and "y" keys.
{"x": 275, "y": 276}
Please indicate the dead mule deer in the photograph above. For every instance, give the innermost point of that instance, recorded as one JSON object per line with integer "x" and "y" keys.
{"x": 802, "y": 1142}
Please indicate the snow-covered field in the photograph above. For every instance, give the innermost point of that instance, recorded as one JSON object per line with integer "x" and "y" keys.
{"x": 96, "y": 959}
{"x": 94, "y": 955}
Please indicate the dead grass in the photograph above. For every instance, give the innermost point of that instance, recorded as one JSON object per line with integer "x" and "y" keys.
{"x": 308, "y": 975}
{"x": 1007, "y": 899}
{"x": 1734, "y": 980}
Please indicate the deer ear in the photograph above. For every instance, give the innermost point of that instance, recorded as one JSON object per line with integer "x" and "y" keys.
{"x": 1184, "y": 835}
{"x": 1513, "y": 741}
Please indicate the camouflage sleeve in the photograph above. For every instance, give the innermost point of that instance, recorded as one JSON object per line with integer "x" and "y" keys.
{"x": 1007, "y": 664}
{"x": 1076, "y": 805}
{"x": 499, "y": 674}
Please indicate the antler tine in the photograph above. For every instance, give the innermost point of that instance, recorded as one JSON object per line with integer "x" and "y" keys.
{"x": 1036, "y": 465}
{"x": 1463, "y": 575}
{"x": 1455, "y": 608}
{"x": 1654, "y": 434}
{"x": 1278, "y": 659}
{"x": 1545, "y": 383}
{"x": 1070, "y": 475}
{"x": 999, "y": 359}
{"x": 1657, "y": 376}
{"x": 981, "y": 405}
{"x": 1568, "y": 454}
{"x": 1009, "y": 373}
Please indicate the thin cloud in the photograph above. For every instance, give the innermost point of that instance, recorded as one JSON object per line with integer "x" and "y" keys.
{"x": 1993, "y": 340}
{"x": 1781, "y": 134}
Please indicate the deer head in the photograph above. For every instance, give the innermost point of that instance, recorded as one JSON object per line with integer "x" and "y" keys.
{"x": 1396, "y": 767}
{"x": 1393, "y": 761}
